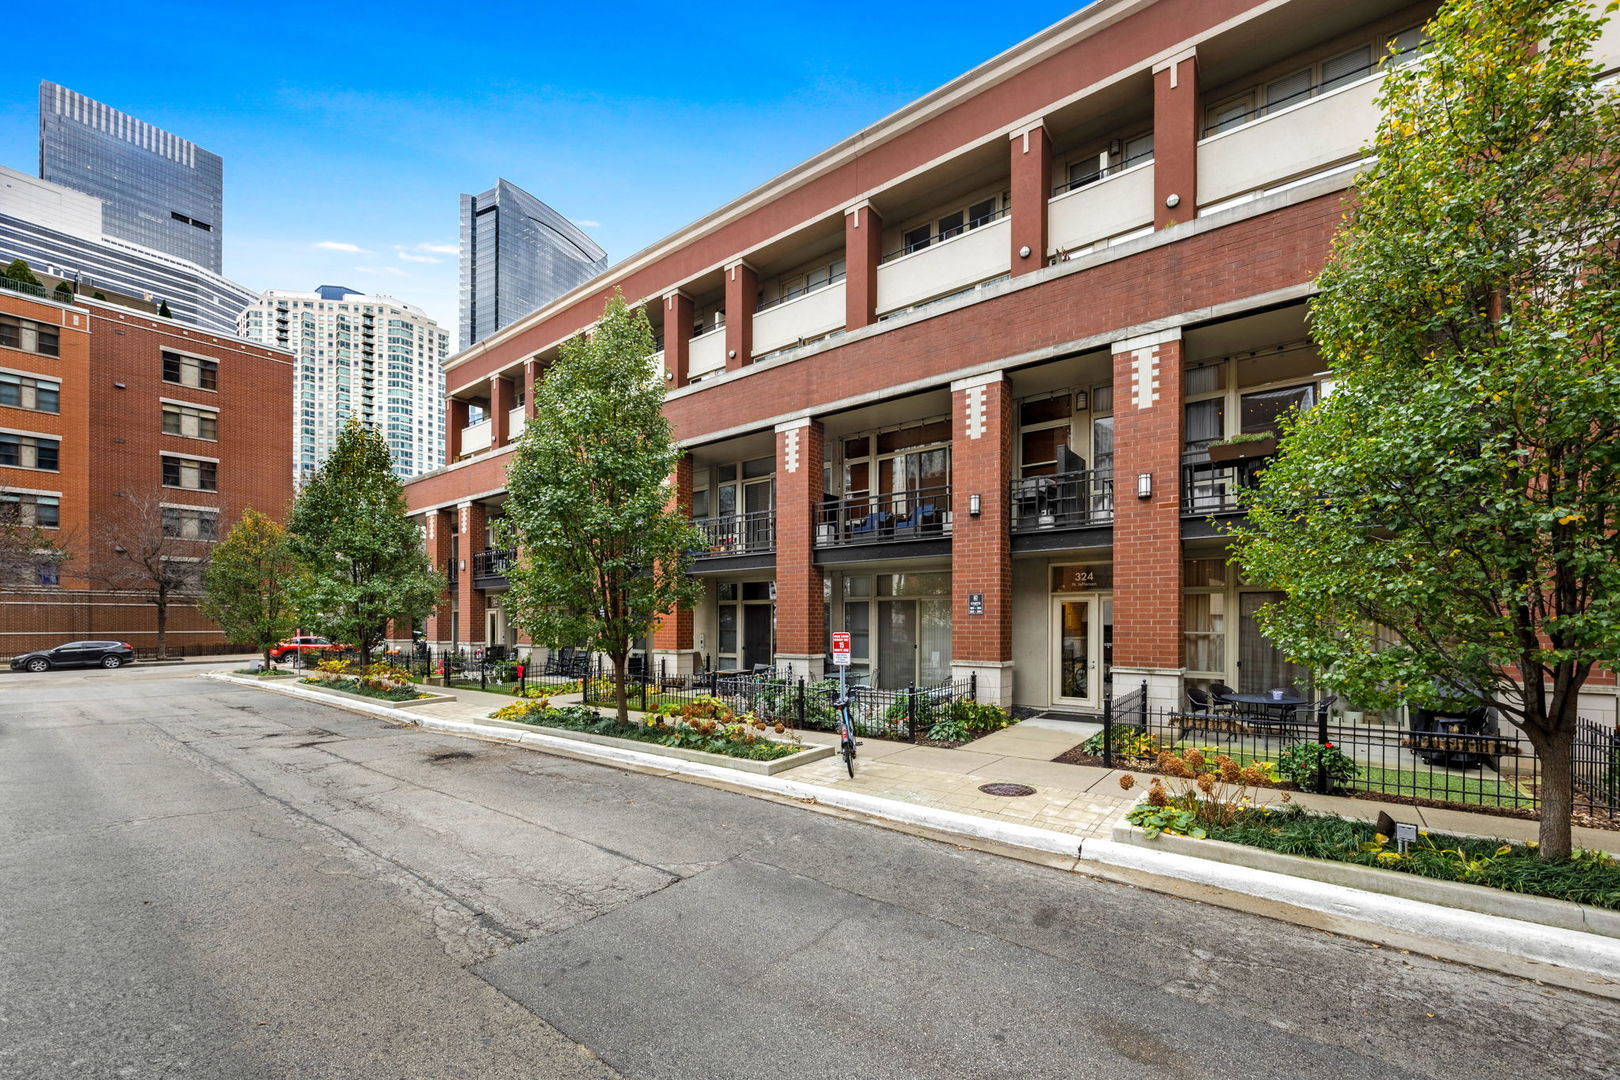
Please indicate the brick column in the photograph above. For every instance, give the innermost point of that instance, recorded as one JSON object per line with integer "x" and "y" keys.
{"x": 801, "y": 624}
{"x": 863, "y": 247}
{"x": 981, "y": 547}
{"x": 455, "y": 420}
{"x": 1147, "y": 532}
{"x": 677, "y": 339}
{"x": 470, "y": 600}
{"x": 500, "y": 411}
{"x": 436, "y": 538}
{"x": 672, "y": 638}
{"x": 1031, "y": 185}
{"x": 742, "y": 297}
{"x": 1176, "y": 122}
{"x": 531, "y": 380}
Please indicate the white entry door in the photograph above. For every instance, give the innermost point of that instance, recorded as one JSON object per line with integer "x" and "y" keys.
{"x": 1077, "y": 671}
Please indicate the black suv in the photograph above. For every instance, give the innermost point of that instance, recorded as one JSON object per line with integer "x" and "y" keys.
{"x": 107, "y": 654}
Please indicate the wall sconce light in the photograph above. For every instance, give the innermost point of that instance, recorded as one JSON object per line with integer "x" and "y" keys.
{"x": 1024, "y": 252}
{"x": 1144, "y": 485}
{"x": 461, "y": 564}
{"x": 1082, "y": 401}
{"x": 973, "y": 506}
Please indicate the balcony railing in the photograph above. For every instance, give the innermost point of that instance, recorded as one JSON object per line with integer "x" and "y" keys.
{"x": 450, "y": 573}
{"x": 1210, "y": 487}
{"x": 1065, "y": 501}
{"x": 489, "y": 566}
{"x": 919, "y": 514}
{"x": 753, "y": 533}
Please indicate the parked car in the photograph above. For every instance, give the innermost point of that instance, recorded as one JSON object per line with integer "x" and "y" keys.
{"x": 311, "y": 648}
{"x": 107, "y": 654}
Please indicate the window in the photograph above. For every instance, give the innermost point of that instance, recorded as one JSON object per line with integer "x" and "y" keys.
{"x": 1094, "y": 166}
{"x": 1204, "y": 421}
{"x": 28, "y": 451}
{"x": 185, "y": 575}
{"x": 1043, "y": 438}
{"x": 190, "y": 473}
{"x": 39, "y": 511}
{"x": 954, "y": 223}
{"x": 30, "y": 392}
{"x": 29, "y": 336}
{"x": 1260, "y": 411}
{"x": 190, "y": 371}
{"x": 186, "y": 523}
{"x": 191, "y": 422}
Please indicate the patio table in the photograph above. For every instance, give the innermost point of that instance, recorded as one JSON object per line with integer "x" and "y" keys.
{"x": 1272, "y": 710}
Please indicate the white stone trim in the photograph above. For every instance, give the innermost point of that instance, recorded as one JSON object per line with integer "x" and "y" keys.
{"x": 982, "y": 379}
{"x": 1147, "y": 341}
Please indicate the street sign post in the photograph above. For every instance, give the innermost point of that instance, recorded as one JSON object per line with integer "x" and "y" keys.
{"x": 840, "y": 648}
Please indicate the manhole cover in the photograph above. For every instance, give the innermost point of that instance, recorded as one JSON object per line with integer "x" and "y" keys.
{"x": 1011, "y": 791}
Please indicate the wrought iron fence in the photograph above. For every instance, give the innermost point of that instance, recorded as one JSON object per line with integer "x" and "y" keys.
{"x": 1066, "y": 500}
{"x": 752, "y": 533}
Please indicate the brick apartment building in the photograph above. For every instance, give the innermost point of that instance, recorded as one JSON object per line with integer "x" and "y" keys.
{"x": 104, "y": 409}
{"x": 951, "y": 384}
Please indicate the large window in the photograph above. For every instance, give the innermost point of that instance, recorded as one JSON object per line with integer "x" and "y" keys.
{"x": 1118, "y": 156}
{"x": 190, "y": 523}
{"x": 913, "y": 458}
{"x": 25, "y": 508}
{"x": 191, "y": 422}
{"x": 30, "y": 392}
{"x": 191, "y": 371}
{"x": 29, "y": 336}
{"x": 28, "y": 451}
{"x": 190, "y": 473}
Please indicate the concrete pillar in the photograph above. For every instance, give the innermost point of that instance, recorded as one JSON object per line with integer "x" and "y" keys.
{"x": 1176, "y": 121}
{"x": 469, "y": 599}
{"x": 500, "y": 411}
{"x": 454, "y": 422}
{"x": 436, "y": 538}
{"x": 672, "y": 638}
{"x": 1147, "y": 531}
{"x": 801, "y": 622}
{"x": 742, "y": 297}
{"x": 531, "y": 382}
{"x": 1031, "y": 183}
{"x": 677, "y": 339}
{"x": 981, "y": 545}
{"x": 863, "y": 247}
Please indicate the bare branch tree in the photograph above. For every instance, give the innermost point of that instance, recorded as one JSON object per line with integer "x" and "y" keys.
{"x": 28, "y": 552}
{"x": 146, "y": 549}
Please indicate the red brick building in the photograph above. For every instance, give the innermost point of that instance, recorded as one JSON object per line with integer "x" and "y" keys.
{"x": 109, "y": 416}
{"x": 953, "y": 384}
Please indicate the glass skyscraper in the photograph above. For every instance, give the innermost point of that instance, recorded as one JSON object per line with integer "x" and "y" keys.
{"x": 157, "y": 190}
{"x": 517, "y": 254}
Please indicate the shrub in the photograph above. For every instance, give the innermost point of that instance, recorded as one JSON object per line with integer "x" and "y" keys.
{"x": 522, "y": 709}
{"x": 723, "y": 732}
{"x": 1301, "y": 763}
{"x": 1211, "y": 791}
{"x": 950, "y": 729}
{"x": 1128, "y": 742}
{"x": 979, "y": 718}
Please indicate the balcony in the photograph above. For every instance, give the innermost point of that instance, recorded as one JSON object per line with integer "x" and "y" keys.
{"x": 475, "y": 437}
{"x": 514, "y": 422}
{"x": 958, "y": 262}
{"x": 708, "y": 353}
{"x": 809, "y": 315}
{"x": 1120, "y": 203}
{"x": 1210, "y": 487}
{"x": 1070, "y": 500}
{"x": 489, "y": 567}
{"x": 753, "y": 533}
{"x": 1278, "y": 144}
{"x": 898, "y": 517}
{"x": 450, "y": 572}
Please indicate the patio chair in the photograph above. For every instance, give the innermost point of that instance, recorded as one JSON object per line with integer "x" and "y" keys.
{"x": 921, "y": 517}
{"x": 872, "y": 525}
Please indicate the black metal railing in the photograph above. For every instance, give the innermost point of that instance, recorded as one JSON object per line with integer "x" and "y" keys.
{"x": 490, "y": 565}
{"x": 1317, "y": 88}
{"x": 753, "y": 533}
{"x": 803, "y": 290}
{"x": 919, "y": 514}
{"x": 1066, "y": 500}
{"x": 1211, "y": 487}
{"x": 936, "y": 238}
{"x": 1492, "y": 768}
{"x": 451, "y": 573}
{"x": 1140, "y": 158}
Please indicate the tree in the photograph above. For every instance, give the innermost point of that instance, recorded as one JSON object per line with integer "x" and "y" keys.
{"x": 602, "y": 551}
{"x": 363, "y": 560}
{"x": 17, "y": 270}
{"x": 249, "y": 585}
{"x": 64, "y": 292}
{"x": 98, "y": 295}
{"x": 25, "y": 548}
{"x": 1443, "y": 523}
{"x": 143, "y": 550}
{"x": 163, "y": 310}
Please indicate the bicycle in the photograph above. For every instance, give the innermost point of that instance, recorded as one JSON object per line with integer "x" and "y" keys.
{"x": 842, "y": 697}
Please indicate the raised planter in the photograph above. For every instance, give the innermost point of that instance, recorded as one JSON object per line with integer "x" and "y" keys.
{"x": 430, "y": 699}
{"x": 760, "y": 768}
{"x": 1226, "y": 452}
{"x": 1451, "y": 894}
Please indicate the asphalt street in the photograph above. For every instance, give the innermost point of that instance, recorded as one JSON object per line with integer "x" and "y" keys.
{"x": 204, "y": 880}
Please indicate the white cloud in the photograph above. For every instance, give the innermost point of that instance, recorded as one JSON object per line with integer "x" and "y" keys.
{"x": 408, "y": 257}
{"x": 381, "y": 270}
{"x": 587, "y": 223}
{"x": 338, "y": 245}
{"x": 441, "y": 249}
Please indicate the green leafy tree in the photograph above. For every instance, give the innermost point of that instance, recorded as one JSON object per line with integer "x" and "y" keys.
{"x": 363, "y": 560}
{"x": 1443, "y": 524}
{"x": 603, "y": 552}
{"x": 250, "y": 583}
{"x": 64, "y": 292}
{"x": 17, "y": 270}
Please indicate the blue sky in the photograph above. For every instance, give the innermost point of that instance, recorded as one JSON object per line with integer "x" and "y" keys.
{"x": 347, "y": 141}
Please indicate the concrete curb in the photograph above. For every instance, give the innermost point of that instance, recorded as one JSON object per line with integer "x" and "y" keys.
{"x": 1570, "y": 958}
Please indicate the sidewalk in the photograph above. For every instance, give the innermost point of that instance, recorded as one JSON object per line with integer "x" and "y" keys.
{"x": 1079, "y": 800}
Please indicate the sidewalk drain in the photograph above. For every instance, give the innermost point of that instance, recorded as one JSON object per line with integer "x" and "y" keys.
{"x": 1011, "y": 791}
